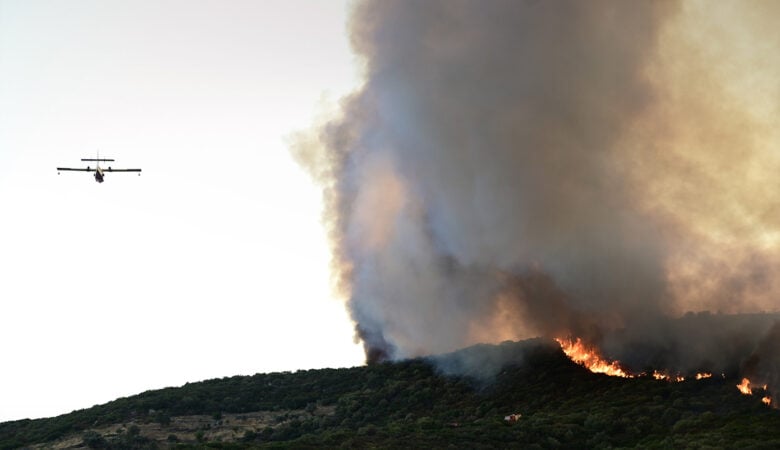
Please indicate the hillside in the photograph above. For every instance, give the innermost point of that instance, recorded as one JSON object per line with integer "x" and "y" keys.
{"x": 413, "y": 403}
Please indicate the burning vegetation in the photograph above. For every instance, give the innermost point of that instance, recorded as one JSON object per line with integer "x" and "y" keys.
{"x": 745, "y": 388}
{"x": 590, "y": 358}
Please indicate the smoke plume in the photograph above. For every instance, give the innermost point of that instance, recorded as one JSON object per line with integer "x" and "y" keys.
{"x": 597, "y": 169}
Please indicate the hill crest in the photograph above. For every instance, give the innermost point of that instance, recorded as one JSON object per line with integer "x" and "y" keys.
{"x": 392, "y": 404}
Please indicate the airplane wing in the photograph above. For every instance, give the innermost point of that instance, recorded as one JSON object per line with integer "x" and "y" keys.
{"x": 88, "y": 169}
{"x": 108, "y": 169}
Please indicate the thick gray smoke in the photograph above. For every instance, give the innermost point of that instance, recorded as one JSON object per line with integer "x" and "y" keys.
{"x": 520, "y": 168}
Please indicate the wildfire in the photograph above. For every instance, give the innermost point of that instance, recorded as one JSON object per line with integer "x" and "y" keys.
{"x": 663, "y": 376}
{"x": 678, "y": 378}
{"x": 744, "y": 387}
{"x": 590, "y": 358}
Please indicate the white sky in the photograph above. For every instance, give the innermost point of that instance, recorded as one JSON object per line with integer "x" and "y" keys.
{"x": 213, "y": 262}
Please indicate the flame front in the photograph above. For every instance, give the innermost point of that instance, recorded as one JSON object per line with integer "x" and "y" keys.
{"x": 664, "y": 376}
{"x": 590, "y": 358}
{"x": 744, "y": 387}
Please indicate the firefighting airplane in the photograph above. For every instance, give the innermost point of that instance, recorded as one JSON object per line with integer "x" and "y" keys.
{"x": 99, "y": 171}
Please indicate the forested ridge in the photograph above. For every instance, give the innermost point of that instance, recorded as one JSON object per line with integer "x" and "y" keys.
{"x": 416, "y": 403}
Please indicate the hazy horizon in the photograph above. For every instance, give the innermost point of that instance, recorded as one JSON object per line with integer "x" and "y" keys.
{"x": 213, "y": 262}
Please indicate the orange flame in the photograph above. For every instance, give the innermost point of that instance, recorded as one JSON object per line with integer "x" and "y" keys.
{"x": 663, "y": 376}
{"x": 590, "y": 358}
{"x": 744, "y": 387}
